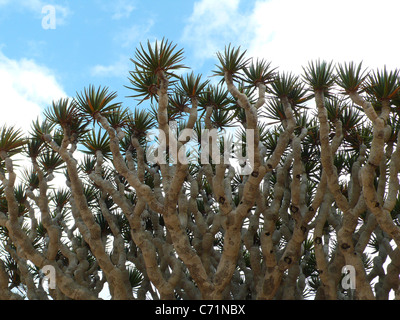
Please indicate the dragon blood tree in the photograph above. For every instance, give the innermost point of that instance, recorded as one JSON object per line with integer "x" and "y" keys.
{"x": 264, "y": 185}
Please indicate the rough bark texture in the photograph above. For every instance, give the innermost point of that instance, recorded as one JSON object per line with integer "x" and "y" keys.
{"x": 320, "y": 196}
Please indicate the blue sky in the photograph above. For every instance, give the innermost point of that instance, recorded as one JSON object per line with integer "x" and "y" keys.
{"x": 94, "y": 39}
{"x": 89, "y": 34}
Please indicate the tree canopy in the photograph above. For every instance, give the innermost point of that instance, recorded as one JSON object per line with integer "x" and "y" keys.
{"x": 251, "y": 184}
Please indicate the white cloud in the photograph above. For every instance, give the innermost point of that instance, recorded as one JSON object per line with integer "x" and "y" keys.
{"x": 120, "y": 68}
{"x": 26, "y": 88}
{"x": 62, "y": 13}
{"x": 129, "y": 36}
{"x": 122, "y": 9}
{"x": 118, "y": 9}
{"x": 212, "y": 25}
{"x": 290, "y": 33}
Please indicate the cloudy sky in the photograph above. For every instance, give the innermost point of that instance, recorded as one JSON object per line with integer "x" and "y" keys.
{"x": 91, "y": 41}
